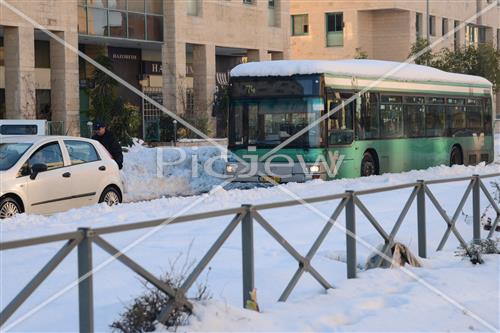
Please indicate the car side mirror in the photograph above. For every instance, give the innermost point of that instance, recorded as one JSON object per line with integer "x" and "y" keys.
{"x": 36, "y": 169}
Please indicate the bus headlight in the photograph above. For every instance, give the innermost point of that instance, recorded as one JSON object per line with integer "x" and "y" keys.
{"x": 314, "y": 169}
{"x": 231, "y": 168}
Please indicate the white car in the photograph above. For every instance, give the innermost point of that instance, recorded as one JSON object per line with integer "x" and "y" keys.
{"x": 48, "y": 174}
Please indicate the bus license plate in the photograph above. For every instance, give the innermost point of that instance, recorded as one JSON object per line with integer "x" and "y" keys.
{"x": 270, "y": 179}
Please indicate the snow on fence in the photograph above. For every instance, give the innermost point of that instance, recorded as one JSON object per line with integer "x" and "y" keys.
{"x": 84, "y": 238}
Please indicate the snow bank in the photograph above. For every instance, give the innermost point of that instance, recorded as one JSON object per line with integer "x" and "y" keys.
{"x": 377, "y": 301}
{"x": 144, "y": 178}
{"x": 354, "y": 67}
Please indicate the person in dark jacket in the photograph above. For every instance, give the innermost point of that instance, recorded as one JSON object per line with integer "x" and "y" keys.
{"x": 108, "y": 140}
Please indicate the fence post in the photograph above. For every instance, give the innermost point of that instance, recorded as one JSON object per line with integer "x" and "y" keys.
{"x": 350, "y": 224}
{"x": 247, "y": 254}
{"x": 476, "y": 209}
{"x": 85, "y": 288}
{"x": 422, "y": 234}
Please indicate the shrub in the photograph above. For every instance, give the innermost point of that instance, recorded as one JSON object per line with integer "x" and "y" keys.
{"x": 475, "y": 249}
{"x": 141, "y": 315}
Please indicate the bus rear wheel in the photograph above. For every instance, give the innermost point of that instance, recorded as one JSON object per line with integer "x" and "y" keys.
{"x": 368, "y": 165}
{"x": 456, "y": 157}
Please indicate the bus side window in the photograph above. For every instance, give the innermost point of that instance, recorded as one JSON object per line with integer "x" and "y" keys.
{"x": 435, "y": 117}
{"x": 487, "y": 116}
{"x": 391, "y": 116}
{"x": 455, "y": 114}
{"x": 368, "y": 122}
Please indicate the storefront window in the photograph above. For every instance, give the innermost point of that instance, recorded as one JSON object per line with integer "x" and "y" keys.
{"x": 135, "y": 26}
{"x": 117, "y": 24}
{"x": 155, "y": 28}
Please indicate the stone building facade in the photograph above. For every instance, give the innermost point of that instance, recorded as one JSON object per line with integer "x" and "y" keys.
{"x": 27, "y": 70}
{"x": 177, "y": 52}
{"x": 386, "y": 29}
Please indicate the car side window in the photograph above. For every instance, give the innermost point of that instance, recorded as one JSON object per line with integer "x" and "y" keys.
{"x": 50, "y": 155}
{"x": 81, "y": 152}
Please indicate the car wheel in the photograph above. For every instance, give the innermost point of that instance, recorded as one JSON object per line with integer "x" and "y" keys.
{"x": 111, "y": 196}
{"x": 456, "y": 156}
{"x": 368, "y": 165}
{"x": 9, "y": 207}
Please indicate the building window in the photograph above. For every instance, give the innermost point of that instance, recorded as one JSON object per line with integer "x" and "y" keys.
{"x": 193, "y": 7}
{"x": 117, "y": 22}
{"x": 136, "y": 26}
{"x": 154, "y": 7}
{"x": 481, "y": 35}
{"x": 471, "y": 34}
{"x": 418, "y": 25}
{"x": 42, "y": 54}
{"x": 82, "y": 20}
{"x": 432, "y": 25}
{"x": 300, "y": 25}
{"x": 117, "y": 4}
{"x": 334, "y": 29}
{"x": 248, "y": 2}
{"x": 456, "y": 36}
{"x": 498, "y": 39}
{"x": 133, "y": 19}
{"x": 273, "y": 20}
{"x": 444, "y": 26}
{"x": 136, "y": 6}
{"x": 97, "y": 21}
{"x": 155, "y": 28}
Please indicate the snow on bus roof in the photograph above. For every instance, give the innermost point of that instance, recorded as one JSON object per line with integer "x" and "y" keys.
{"x": 354, "y": 67}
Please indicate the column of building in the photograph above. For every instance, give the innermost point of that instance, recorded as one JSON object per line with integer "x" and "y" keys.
{"x": 64, "y": 96}
{"x": 204, "y": 83}
{"x": 19, "y": 60}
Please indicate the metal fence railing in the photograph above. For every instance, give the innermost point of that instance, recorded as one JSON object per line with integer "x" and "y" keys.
{"x": 84, "y": 238}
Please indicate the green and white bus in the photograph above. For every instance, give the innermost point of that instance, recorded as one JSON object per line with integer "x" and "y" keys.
{"x": 402, "y": 117}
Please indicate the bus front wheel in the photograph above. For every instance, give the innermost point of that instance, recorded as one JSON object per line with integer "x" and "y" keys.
{"x": 456, "y": 156}
{"x": 368, "y": 165}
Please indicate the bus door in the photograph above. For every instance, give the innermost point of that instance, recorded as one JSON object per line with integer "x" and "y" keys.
{"x": 341, "y": 121}
{"x": 340, "y": 127}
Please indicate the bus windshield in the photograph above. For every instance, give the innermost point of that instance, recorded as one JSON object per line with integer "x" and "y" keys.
{"x": 269, "y": 122}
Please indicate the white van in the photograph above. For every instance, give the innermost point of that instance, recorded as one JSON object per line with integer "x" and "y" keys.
{"x": 22, "y": 127}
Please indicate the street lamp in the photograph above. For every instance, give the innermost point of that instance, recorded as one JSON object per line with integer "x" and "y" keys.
{"x": 175, "y": 132}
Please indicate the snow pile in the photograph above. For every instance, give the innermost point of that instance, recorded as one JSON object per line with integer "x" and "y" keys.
{"x": 355, "y": 67}
{"x": 150, "y": 173}
{"x": 379, "y": 300}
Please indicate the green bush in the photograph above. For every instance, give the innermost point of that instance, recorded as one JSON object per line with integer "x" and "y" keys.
{"x": 475, "y": 249}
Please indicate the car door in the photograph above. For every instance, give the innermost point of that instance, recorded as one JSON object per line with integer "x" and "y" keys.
{"x": 51, "y": 190}
{"x": 87, "y": 171}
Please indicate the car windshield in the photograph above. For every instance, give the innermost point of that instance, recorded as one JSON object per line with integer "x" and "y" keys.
{"x": 10, "y": 154}
{"x": 268, "y": 122}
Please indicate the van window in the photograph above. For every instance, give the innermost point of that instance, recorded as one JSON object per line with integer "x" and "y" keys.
{"x": 18, "y": 129}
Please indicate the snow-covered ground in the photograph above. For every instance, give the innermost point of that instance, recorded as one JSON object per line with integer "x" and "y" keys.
{"x": 379, "y": 300}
